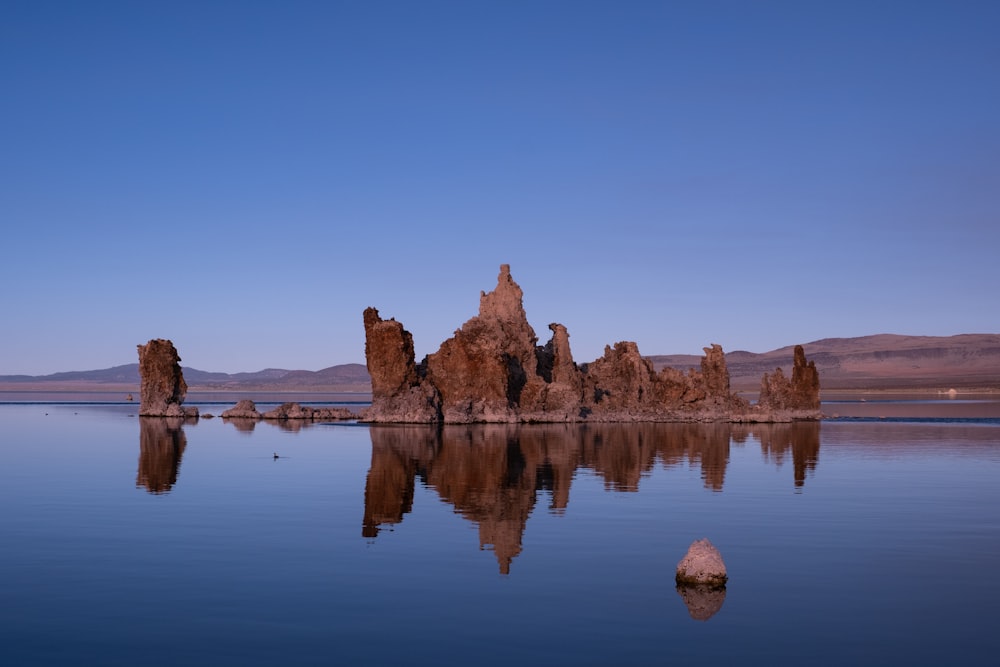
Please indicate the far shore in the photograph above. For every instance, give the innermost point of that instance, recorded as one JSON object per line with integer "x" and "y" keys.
{"x": 868, "y": 403}
{"x": 364, "y": 392}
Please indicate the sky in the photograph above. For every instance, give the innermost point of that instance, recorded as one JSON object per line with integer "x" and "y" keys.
{"x": 245, "y": 178}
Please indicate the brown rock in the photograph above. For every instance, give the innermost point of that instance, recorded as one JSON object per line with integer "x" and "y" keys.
{"x": 397, "y": 393}
{"x": 561, "y": 393}
{"x": 483, "y": 370}
{"x": 493, "y": 370}
{"x": 800, "y": 393}
{"x": 621, "y": 380}
{"x": 805, "y": 382}
{"x": 714, "y": 373}
{"x": 162, "y": 387}
{"x": 702, "y": 564}
{"x": 245, "y": 409}
{"x": 303, "y": 412}
{"x": 389, "y": 351}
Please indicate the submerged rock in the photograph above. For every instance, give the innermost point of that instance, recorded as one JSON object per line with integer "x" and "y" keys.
{"x": 702, "y": 564}
{"x": 494, "y": 370}
{"x": 162, "y": 387}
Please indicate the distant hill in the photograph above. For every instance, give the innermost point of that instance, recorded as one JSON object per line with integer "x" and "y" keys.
{"x": 883, "y": 361}
{"x": 342, "y": 378}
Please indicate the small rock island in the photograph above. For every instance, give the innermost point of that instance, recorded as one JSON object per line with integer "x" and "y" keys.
{"x": 493, "y": 370}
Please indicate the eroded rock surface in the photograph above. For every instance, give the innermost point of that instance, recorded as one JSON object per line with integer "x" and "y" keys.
{"x": 702, "y": 564}
{"x": 247, "y": 410}
{"x": 162, "y": 388}
{"x": 494, "y": 370}
{"x": 798, "y": 394}
{"x": 304, "y": 412}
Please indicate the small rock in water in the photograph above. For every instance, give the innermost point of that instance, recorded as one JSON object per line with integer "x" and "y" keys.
{"x": 702, "y": 564}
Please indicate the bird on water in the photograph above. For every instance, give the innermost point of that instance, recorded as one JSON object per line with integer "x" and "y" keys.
{"x": 276, "y": 455}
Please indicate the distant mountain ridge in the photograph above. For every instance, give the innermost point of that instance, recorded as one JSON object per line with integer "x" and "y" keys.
{"x": 881, "y": 361}
{"x": 343, "y": 377}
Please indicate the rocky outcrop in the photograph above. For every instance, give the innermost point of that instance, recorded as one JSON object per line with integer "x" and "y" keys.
{"x": 494, "y": 370}
{"x": 800, "y": 394}
{"x": 702, "y": 565}
{"x": 247, "y": 410}
{"x": 304, "y": 412}
{"x": 489, "y": 367}
{"x": 397, "y": 392}
{"x": 162, "y": 386}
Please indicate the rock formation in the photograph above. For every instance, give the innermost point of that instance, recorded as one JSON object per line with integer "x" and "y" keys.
{"x": 702, "y": 564}
{"x": 304, "y": 412}
{"x": 799, "y": 394}
{"x": 247, "y": 410}
{"x": 397, "y": 390}
{"x": 493, "y": 370}
{"x": 162, "y": 387}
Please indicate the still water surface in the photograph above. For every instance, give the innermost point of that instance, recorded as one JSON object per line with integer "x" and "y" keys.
{"x": 143, "y": 541}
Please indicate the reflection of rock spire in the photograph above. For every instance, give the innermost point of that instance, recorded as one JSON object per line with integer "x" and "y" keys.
{"x": 388, "y": 489}
{"x": 491, "y": 474}
{"x": 161, "y": 445}
{"x": 398, "y": 454}
{"x": 802, "y": 438}
{"x": 485, "y": 474}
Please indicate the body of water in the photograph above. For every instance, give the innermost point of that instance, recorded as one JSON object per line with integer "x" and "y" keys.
{"x": 132, "y": 541}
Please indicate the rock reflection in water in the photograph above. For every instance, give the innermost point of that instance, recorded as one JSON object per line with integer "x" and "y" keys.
{"x": 801, "y": 438}
{"x": 161, "y": 446}
{"x": 491, "y": 474}
{"x": 242, "y": 424}
{"x": 702, "y": 602}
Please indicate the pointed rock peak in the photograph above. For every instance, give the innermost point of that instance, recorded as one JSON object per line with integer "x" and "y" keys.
{"x": 504, "y": 302}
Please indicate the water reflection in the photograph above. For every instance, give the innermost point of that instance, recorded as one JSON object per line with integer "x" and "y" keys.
{"x": 491, "y": 474}
{"x": 161, "y": 446}
{"x": 800, "y": 438}
{"x": 702, "y": 602}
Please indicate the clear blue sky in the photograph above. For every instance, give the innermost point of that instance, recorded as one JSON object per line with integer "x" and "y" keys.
{"x": 244, "y": 178}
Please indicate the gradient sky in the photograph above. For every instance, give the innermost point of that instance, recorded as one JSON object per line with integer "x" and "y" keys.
{"x": 244, "y": 178}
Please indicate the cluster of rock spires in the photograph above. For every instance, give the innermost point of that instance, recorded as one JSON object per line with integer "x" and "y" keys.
{"x": 493, "y": 370}
{"x": 498, "y": 475}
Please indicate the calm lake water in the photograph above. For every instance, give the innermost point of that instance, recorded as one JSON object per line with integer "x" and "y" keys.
{"x": 130, "y": 541}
